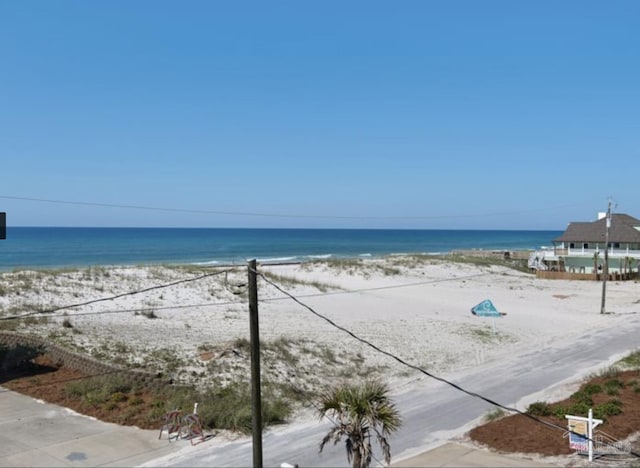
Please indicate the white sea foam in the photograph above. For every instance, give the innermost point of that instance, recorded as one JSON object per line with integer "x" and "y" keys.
{"x": 365, "y": 255}
{"x": 276, "y": 259}
{"x": 212, "y": 262}
{"x": 320, "y": 256}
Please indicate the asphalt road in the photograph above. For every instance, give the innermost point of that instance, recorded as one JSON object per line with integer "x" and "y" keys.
{"x": 433, "y": 412}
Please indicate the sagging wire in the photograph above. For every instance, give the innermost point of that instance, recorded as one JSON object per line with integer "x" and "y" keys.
{"x": 423, "y": 371}
{"x": 111, "y": 298}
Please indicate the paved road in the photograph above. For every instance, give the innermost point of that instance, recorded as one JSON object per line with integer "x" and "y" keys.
{"x": 433, "y": 412}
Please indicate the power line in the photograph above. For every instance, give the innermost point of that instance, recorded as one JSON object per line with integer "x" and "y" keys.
{"x": 216, "y": 304}
{"x": 377, "y": 288}
{"x": 117, "y": 296}
{"x": 283, "y": 215}
{"x": 419, "y": 369}
{"x": 125, "y": 311}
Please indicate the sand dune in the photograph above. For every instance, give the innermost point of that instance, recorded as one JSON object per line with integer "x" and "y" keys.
{"x": 416, "y": 308}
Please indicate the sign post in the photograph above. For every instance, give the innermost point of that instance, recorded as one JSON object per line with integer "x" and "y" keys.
{"x": 581, "y": 432}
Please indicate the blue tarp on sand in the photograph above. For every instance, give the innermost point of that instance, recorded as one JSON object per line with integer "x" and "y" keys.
{"x": 486, "y": 309}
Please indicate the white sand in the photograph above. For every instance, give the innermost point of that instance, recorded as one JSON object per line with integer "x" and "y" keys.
{"x": 420, "y": 312}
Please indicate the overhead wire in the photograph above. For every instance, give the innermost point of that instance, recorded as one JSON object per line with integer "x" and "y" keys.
{"x": 134, "y": 310}
{"x": 378, "y": 288}
{"x": 215, "y": 304}
{"x": 111, "y": 298}
{"x": 282, "y": 215}
{"x": 419, "y": 369}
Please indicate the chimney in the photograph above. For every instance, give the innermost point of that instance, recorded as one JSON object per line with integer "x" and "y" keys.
{"x": 602, "y": 214}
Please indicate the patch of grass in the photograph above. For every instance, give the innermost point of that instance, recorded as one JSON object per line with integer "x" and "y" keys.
{"x": 9, "y": 325}
{"x": 120, "y": 347}
{"x": 226, "y": 408}
{"x": 118, "y": 397}
{"x": 32, "y": 320}
{"x": 495, "y": 414}
{"x": 632, "y": 361}
{"x": 169, "y": 358}
{"x": 613, "y": 386}
{"x": 322, "y": 352}
{"x": 150, "y": 314}
{"x": 484, "y": 335}
{"x": 99, "y": 390}
{"x": 328, "y": 355}
{"x": 282, "y": 348}
{"x": 484, "y": 259}
{"x": 609, "y": 372}
{"x": 242, "y": 344}
{"x": 290, "y": 281}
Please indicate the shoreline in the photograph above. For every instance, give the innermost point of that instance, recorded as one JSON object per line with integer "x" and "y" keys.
{"x": 514, "y": 254}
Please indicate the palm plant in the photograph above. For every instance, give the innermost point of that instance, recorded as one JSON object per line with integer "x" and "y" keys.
{"x": 358, "y": 411}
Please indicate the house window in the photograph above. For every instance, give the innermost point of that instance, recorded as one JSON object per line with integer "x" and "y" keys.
{"x": 616, "y": 245}
{"x": 572, "y": 245}
{"x": 585, "y": 245}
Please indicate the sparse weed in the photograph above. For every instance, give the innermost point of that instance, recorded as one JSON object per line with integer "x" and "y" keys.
{"x": 494, "y": 415}
{"x": 632, "y": 361}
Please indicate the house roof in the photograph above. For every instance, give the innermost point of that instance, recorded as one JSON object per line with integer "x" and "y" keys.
{"x": 624, "y": 228}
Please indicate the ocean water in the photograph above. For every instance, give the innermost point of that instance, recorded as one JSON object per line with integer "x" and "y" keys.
{"x": 54, "y": 247}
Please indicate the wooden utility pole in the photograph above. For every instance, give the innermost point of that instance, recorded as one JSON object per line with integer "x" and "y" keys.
{"x": 256, "y": 403}
{"x": 605, "y": 268}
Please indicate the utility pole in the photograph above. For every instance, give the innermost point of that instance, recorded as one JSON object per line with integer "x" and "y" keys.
{"x": 605, "y": 269}
{"x": 256, "y": 404}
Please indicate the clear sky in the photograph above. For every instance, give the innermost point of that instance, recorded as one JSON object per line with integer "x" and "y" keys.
{"x": 363, "y": 114}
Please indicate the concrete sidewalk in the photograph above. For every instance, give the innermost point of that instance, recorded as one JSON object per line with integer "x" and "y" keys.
{"x": 457, "y": 455}
{"x": 33, "y": 433}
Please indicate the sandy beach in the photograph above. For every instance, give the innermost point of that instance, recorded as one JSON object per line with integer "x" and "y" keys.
{"x": 417, "y": 308}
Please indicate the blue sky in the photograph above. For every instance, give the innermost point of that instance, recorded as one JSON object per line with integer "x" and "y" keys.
{"x": 425, "y": 114}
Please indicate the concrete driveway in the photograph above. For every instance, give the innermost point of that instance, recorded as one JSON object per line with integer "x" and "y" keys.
{"x": 33, "y": 433}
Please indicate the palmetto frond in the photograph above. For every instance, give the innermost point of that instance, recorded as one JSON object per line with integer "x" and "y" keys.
{"x": 357, "y": 411}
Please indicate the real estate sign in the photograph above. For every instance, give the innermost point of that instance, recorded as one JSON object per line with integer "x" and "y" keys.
{"x": 578, "y": 437}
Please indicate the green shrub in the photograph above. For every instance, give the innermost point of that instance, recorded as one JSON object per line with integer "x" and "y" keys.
{"x": 579, "y": 408}
{"x": 610, "y": 408}
{"x": 591, "y": 389}
{"x": 612, "y": 386}
{"x": 539, "y": 408}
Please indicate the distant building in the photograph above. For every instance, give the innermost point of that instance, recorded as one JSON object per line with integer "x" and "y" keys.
{"x": 580, "y": 249}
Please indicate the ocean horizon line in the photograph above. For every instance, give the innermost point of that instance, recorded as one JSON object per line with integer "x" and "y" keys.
{"x": 288, "y": 228}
